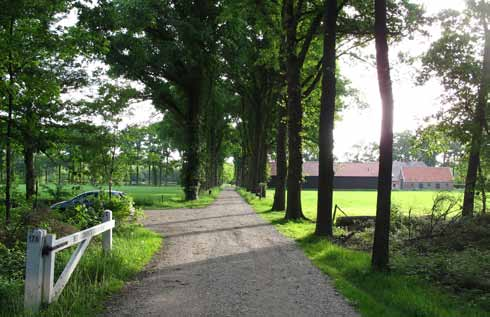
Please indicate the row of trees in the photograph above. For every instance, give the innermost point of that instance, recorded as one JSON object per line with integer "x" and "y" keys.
{"x": 429, "y": 145}
{"x": 311, "y": 38}
{"x": 58, "y": 108}
{"x": 144, "y": 156}
{"x": 297, "y": 43}
{"x": 247, "y": 79}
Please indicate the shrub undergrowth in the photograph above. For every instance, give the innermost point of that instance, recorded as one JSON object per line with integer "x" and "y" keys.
{"x": 96, "y": 276}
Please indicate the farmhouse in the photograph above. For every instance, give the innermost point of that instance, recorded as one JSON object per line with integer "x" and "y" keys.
{"x": 406, "y": 175}
{"x": 356, "y": 175}
{"x": 347, "y": 175}
{"x": 426, "y": 178}
{"x": 397, "y": 170}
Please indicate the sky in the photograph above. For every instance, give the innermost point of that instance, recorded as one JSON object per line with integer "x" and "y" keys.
{"x": 412, "y": 103}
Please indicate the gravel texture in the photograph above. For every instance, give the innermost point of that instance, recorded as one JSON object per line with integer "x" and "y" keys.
{"x": 224, "y": 260}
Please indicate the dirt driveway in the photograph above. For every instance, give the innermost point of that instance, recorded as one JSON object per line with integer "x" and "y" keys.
{"x": 224, "y": 260}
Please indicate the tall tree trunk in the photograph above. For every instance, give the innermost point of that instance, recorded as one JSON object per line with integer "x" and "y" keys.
{"x": 483, "y": 181}
{"x": 477, "y": 129}
{"x": 2, "y": 161}
{"x": 30, "y": 175}
{"x": 191, "y": 154}
{"x": 166, "y": 168}
{"x": 295, "y": 116}
{"x": 138, "y": 165}
{"x": 8, "y": 145}
{"x": 154, "y": 174}
{"x": 324, "y": 219}
{"x": 262, "y": 169}
{"x": 111, "y": 170}
{"x": 8, "y": 158}
{"x": 380, "y": 259}
{"x": 149, "y": 174}
{"x": 281, "y": 161}
{"x": 160, "y": 174}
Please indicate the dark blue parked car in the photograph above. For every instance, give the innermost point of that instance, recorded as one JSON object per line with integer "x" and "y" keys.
{"x": 86, "y": 199}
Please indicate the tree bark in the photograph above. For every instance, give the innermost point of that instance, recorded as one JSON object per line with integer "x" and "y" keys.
{"x": 324, "y": 221}
{"x": 160, "y": 174}
{"x": 8, "y": 158}
{"x": 8, "y": 145}
{"x": 30, "y": 175}
{"x": 477, "y": 130}
{"x": 281, "y": 161}
{"x": 191, "y": 154}
{"x": 483, "y": 190}
{"x": 111, "y": 170}
{"x": 149, "y": 174}
{"x": 166, "y": 168}
{"x": 295, "y": 115}
{"x": 137, "y": 164}
{"x": 380, "y": 257}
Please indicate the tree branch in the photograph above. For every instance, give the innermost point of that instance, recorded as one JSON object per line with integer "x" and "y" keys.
{"x": 314, "y": 84}
{"x": 309, "y": 37}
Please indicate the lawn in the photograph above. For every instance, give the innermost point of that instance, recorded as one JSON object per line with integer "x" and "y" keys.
{"x": 373, "y": 294}
{"x": 147, "y": 197}
{"x": 357, "y": 203}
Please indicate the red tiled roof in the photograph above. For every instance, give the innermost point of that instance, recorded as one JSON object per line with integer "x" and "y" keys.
{"x": 357, "y": 169}
{"x": 427, "y": 174}
{"x": 310, "y": 168}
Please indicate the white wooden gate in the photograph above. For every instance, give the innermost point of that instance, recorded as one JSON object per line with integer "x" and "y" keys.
{"x": 40, "y": 286}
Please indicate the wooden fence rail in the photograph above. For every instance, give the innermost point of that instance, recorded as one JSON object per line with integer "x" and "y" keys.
{"x": 40, "y": 286}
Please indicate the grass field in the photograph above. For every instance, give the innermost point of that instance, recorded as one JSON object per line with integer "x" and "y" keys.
{"x": 373, "y": 294}
{"x": 357, "y": 203}
{"x": 147, "y": 197}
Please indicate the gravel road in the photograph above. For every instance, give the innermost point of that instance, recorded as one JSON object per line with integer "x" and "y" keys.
{"x": 224, "y": 260}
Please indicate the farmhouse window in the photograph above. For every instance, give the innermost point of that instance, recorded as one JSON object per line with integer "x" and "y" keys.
{"x": 438, "y": 185}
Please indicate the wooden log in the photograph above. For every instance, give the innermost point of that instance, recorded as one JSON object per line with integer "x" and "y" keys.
{"x": 355, "y": 222}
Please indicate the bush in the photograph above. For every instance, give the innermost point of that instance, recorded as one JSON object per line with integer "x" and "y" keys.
{"x": 12, "y": 261}
{"x": 83, "y": 216}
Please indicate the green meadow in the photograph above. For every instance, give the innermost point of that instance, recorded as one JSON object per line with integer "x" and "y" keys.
{"x": 363, "y": 203}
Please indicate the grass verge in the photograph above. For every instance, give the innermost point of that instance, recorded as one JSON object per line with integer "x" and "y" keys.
{"x": 373, "y": 294}
{"x": 96, "y": 276}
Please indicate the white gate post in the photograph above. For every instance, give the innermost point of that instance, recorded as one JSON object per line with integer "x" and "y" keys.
{"x": 34, "y": 270}
{"x": 107, "y": 236}
{"x": 48, "y": 269}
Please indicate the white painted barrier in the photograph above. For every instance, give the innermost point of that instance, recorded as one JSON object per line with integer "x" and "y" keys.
{"x": 40, "y": 287}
